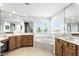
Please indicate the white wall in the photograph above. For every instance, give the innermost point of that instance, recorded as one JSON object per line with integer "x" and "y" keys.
{"x": 57, "y": 23}
{"x": 72, "y": 11}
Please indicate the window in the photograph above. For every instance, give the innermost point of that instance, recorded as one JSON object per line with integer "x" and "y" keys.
{"x": 55, "y": 25}
{"x": 41, "y": 26}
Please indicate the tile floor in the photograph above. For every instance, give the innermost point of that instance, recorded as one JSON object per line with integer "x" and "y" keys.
{"x": 29, "y": 51}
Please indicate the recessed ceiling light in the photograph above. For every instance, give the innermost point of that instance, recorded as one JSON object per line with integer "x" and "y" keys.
{"x": 1, "y": 4}
{"x": 13, "y": 12}
{"x": 72, "y": 18}
{"x": 78, "y": 3}
{"x": 24, "y": 14}
{"x": 10, "y": 14}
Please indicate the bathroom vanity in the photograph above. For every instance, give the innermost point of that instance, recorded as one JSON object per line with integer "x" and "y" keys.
{"x": 14, "y": 41}
{"x": 66, "y": 47}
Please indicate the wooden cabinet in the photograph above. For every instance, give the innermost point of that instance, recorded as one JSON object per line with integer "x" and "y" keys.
{"x": 64, "y": 48}
{"x": 69, "y": 49}
{"x": 66, "y": 51}
{"x": 18, "y": 41}
{"x": 58, "y": 47}
{"x": 77, "y": 50}
{"x": 27, "y": 40}
{"x": 73, "y": 49}
{"x": 24, "y": 40}
{"x": 30, "y": 40}
{"x": 12, "y": 42}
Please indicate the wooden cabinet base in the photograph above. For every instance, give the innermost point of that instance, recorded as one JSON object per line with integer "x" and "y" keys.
{"x": 20, "y": 41}
{"x": 64, "y": 48}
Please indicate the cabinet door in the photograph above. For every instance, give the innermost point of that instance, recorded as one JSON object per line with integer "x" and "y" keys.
{"x": 58, "y": 47}
{"x": 24, "y": 41}
{"x": 66, "y": 51}
{"x": 69, "y": 49}
{"x": 12, "y": 43}
{"x": 73, "y": 49}
{"x": 77, "y": 50}
{"x": 58, "y": 50}
{"x": 69, "y": 52}
{"x": 19, "y": 41}
{"x": 30, "y": 40}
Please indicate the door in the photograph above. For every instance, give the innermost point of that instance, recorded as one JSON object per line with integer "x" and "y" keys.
{"x": 12, "y": 43}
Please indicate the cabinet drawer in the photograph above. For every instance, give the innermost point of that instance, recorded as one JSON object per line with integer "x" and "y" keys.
{"x": 29, "y": 35}
{"x": 65, "y": 44}
{"x": 13, "y": 37}
{"x": 30, "y": 40}
{"x": 19, "y": 37}
{"x": 72, "y": 46}
{"x": 24, "y": 36}
{"x": 58, "y": 40}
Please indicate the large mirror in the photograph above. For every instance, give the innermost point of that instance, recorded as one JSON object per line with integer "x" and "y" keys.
{"x": 12, "y": 23}
{"x": 72, "y": 19}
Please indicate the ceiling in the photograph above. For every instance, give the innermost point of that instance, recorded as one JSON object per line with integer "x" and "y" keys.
{"x": 34, "y": 9}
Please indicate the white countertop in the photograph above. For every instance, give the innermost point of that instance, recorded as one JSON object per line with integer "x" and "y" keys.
{"x": 6, "y": 36}
{"x": 3, "y": 38}
{"x": 73, "y": 39}
{"x": 16, "y": 34}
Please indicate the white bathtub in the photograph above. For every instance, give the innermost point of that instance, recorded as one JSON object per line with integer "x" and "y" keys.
{"x": 46, "y": 43}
